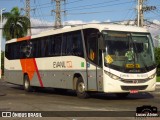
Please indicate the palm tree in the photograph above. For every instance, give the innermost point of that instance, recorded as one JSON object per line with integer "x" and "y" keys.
{"x": 16, "y": 25}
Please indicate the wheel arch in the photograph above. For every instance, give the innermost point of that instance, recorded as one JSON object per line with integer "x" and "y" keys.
{"x": 24, "y": 74}
{"x": 75, "y": 79}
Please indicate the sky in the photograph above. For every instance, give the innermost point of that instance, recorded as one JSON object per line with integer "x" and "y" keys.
{"x": 83, "y": 11}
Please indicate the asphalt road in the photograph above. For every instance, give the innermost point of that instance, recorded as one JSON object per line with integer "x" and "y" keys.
{"x": 14, "y": 98}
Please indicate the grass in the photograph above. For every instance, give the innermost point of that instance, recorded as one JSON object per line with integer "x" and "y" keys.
{"x": 158, "y": 78}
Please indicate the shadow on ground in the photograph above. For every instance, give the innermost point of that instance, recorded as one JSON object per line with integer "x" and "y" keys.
{"x": 102, "y": 96}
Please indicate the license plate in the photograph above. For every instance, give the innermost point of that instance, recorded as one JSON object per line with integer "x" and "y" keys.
{"x": 133, "y": 91}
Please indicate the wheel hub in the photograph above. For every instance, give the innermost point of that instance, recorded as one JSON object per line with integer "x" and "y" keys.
{"x": 81, "y": 87}
{"x": 26, "y": 84}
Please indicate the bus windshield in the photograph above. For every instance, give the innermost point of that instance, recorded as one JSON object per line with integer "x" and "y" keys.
{"x": 129, "y": 52}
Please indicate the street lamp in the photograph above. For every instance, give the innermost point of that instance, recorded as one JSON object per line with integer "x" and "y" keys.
{"x": 1, "y": 39}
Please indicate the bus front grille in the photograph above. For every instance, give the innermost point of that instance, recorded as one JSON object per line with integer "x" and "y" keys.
{"x": 133, "y": 81}
{"x": 143, "y": 87}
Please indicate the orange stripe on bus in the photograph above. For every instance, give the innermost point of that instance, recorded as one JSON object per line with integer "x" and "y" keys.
{"x": 38, "y": 74}
{"x": 28, "y": 67}
{"x": 27, "y": 64}
{"x": 24, "y": 38}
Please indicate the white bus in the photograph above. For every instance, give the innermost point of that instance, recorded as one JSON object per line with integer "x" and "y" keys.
{"x": 95, "y": 57}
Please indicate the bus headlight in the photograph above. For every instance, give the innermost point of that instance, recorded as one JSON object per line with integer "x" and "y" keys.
{"x": 152, "y": 76}
{"x": 112, "y": 76}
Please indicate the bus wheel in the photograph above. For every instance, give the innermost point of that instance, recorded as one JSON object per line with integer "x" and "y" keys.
{"x": 26, "y": 84}
{"x": 122, "y": 95}
{"x": 80, "y": 89}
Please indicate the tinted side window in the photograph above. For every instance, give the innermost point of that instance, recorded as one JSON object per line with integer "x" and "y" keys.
{"x": 14, "y": 50}
{"x": 77, "y": 47}
{"x": 51, "y": 50}
{"x": 91, "y": 43}
{"x": 35, "y": 49}
{"x": 58, "y": 43}
{"x": 92, "y": 48}
{"x": 54, "y": 45}
{"x": 69, "y": 44}
{"x": 23, "y": 49}
{"x": 8, "y": 50}
{"x": 64, "y": 45}
{"x": 72, "y": 44}
{"x": 45, "y": 46}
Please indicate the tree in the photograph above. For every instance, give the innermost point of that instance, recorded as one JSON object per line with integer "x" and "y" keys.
{"x": 16, "y": 25}
{"x": 157, "y": 56}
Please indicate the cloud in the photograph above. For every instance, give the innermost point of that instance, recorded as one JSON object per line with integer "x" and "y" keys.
{"x": 74, "y": 22}
{"x": 35, "y": 23}
{"x": 40, "y": 23}
{"x": 156, "y": 22}
{"x": 153, "y": 28}
{"x": 107, "y": 21}
{"x": 94, "y": 21}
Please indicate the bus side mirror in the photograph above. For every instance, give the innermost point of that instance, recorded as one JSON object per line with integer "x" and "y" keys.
{"x": 101, "y": 42}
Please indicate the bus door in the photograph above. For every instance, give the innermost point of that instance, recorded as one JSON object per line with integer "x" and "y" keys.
{"x": 92, "y": 62}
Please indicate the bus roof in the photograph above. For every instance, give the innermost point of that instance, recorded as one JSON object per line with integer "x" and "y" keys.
{"x": 99, "y": 26}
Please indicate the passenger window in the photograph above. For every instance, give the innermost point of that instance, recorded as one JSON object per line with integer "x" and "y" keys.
{"x": 73, "y": 43}
{"x": 92, "y": 48}
{"x": 58, "y": 42}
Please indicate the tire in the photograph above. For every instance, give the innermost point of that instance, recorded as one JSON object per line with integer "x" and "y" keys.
{"x": 80, "y": 89}
{"x": 122, "y": 95}
{"x": 26, "y": 84}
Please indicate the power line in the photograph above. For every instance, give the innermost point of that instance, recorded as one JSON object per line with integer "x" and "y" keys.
{"x": 99, "y": 6}
{"x": 84, "y": 6}
{"x": 130, "y": 11}
{"x": 49, "y": 26}
{"x": 74, "y": 1}
{"x": 39, "y": 12}
{"x": 156, "y": 14}
{"x": 151, "y": 17}
{"x": 41, "y": 4}
{"x": 96, "y": 12}
{"x": 153, "y": 23}
{"x": 51, "y": 2}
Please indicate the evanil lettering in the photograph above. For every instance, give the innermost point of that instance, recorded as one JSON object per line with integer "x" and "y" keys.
{"x": 59, "y": 64}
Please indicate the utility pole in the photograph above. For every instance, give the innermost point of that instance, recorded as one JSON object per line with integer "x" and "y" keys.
{"x": 140, "y": 12}
{"x": 58, "y": 22}
{"x": 1, "y": 26}
{"x": 27, "y": 10}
